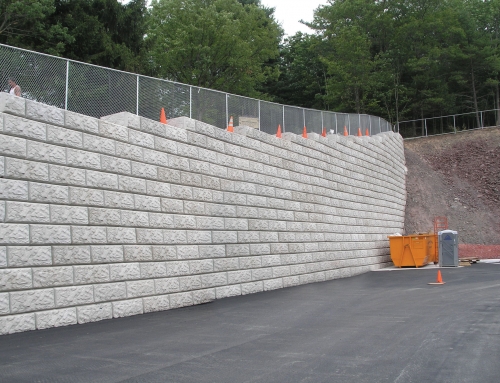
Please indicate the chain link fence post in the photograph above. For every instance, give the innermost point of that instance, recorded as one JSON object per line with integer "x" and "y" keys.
{"x": 67, "y": 83}
{"x": 137, "y": 97}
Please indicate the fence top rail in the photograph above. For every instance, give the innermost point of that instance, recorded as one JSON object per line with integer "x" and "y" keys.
{"x": 182, "y": 84}
{"x": 450, "y": 115}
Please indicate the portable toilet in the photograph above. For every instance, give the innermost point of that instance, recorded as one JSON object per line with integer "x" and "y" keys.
{"x": 448, "y": 248}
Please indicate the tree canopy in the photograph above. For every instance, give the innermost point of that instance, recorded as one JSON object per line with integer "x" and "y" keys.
{"x": 398, "y": 59}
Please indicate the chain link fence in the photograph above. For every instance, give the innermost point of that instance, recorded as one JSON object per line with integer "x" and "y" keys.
{"x": 449, "y": 124}
{"x": 97, "y": 91}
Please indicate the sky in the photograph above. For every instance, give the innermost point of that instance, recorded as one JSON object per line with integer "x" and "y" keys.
{"x": 289, "y": 12}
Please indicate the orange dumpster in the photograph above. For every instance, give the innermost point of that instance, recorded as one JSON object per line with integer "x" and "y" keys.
{"x": 415, "y": 250}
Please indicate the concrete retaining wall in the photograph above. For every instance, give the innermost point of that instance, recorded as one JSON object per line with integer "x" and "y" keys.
{"x": 120, "y": 216}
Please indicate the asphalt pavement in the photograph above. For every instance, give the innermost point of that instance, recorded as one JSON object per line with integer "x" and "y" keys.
{"x": 384, "y": 326}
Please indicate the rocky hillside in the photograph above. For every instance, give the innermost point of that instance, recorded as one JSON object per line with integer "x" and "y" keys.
{"x": 457, "y": 176}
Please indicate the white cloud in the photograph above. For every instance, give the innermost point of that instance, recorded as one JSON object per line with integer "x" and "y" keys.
{"x": 289, "y": 12}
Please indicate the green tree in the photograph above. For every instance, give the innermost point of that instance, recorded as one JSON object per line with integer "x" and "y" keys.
{"x": 218, "y": 44}
{"x": 302, "y": 75}
{"x": 25, "y": 23}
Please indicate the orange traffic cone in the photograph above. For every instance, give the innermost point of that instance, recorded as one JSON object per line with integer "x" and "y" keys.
{"x": 230, "y": 127}
{"x": 345, "y": 131}
{"x": 439, "y": 279}
{"x": 278, "y": 133}
{"x": 367, "y": 133}
{"x": 323, "y": 133}
{"x": 163, "y": 117}
{"x": 304, "y": 132}
{"x": 359, "y": 132}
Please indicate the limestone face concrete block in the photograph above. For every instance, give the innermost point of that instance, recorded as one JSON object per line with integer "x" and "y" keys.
{"x": 65, "y": 137}
{"x": 107, "y": 254}
{"x": 88, "y": 274}
{"x": 71, "y": 255}
{"x": 167, "y": 285}
{"x": 66, "y": 175}
{"x": 44, "y": 152}
{"x": 14, "y": 234}
{"x": 12, "y": 104}
{"x": 88, "y": 234}
{"x": 25, "y": 128}
{"x": 98, "y": 144}
{"x": 124, "y": 271}
{"x": 17, "y": 323}
{"x": 77, "y": 121}
{"x": 52, "y": 276}
{"x": 55, "y": 318}
{"x": 27, "y": 212}
{"x": 28, "y": 170}
{"x": 31, "y": 300}
{"x": 45, "y": 113}
{"x": 156, "y": 303}
{"x": 12, "y": 146}
{"x": 126, "y": 119}
{"x": 181, "y": 300}
{"x": 153, "y": 270}
{"x": 110, "y": 291}
{"x": 94, "y": 313}
{"x": 13, "y": 189}
{"x": 227, "y": 291}
{"x": 74, "y": 296}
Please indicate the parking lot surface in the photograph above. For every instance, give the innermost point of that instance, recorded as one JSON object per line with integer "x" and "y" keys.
{"x": 377, "y": 327}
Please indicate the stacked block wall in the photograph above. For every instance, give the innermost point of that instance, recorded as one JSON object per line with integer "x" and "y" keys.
{"x": 120, "y": 216}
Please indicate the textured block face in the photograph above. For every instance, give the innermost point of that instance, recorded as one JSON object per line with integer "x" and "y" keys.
{"x": 11, "y": 104}
{"x": 12, "y": 189}
{"x": 167, "y": 285}
{"x": 74, "y": 296}
{"x": 32, "y": 300}
{"x": 181, "y": 300}
{"x": 156, "y": 303}
{"x": 25, "y": 128}
{"x": 14, "y": 234}
{"x": 12, "y": 146}
{"x": 71, "y": 255}
{"x": 48, "y": 193}
{"x": 66, "y": 175}
{"x": 21, "y": 256}
{"x": 55, "y": 318}
{"x": 127, "y": 308}
{"x": 124, "y": 271}
{"x": 65, "y": 137}
{"x": 107, "y": 254}
{"x": 69, "y": 214}
{"x": 110, "y": 292}
{"x": 42, "y": 112}
{"x": 94, "y": 313}
{"x": 45, "y": 152}
{"x": 17, "y": 323}
{"x": 27, "y": 212}
{"x": 91, "y": 274}
{"x": 88, "y": 234}
{"x": 28, "y": 170}
{"x": 15, "y": 279}
{"x": 140, "y": 288}
{"x": 80, "y": 122}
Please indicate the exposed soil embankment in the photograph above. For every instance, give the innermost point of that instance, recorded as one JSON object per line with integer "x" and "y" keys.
{"x": 457, "y": 176}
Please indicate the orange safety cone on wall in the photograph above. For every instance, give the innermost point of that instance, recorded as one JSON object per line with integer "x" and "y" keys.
{"x": 345, "y": 131}
{"x": 163, "y": 117}
{"x": 439, "y": 279}
{"x": 323, "y": 133}
{"x": 359, "y": 132}
{"x": 367, "y": 133}
{"x": 278, "y": 133}
{"x": 230, "y": 127}
{"x": 304, "y": 132}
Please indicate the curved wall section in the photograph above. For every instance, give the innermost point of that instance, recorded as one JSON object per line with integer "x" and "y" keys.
{"x": 123, "y": 215}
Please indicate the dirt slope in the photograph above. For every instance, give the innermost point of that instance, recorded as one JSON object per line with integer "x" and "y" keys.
{"x": 457, "y": 176}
